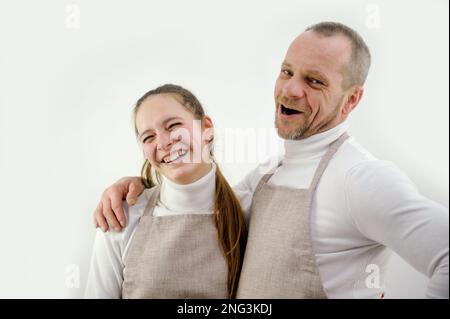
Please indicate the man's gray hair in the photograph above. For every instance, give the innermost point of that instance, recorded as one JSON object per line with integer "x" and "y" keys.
{"x": 358, "y": 67}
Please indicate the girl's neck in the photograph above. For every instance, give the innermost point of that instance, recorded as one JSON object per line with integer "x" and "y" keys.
{"x": 197, "y": 196}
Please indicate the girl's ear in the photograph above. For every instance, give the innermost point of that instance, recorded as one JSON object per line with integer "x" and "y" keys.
{"x": 207, "y": 122}
{"x": 208, "y": 129}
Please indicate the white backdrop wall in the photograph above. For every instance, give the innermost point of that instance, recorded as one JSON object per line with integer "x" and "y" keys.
{"x": 71, "y": 70}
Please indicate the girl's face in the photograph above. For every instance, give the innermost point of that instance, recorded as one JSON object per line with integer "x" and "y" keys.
{"x": 173, "y": 140}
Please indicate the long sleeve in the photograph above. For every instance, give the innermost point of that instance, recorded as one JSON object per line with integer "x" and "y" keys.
{"x": 105, "y": 276}
{"x": 107, "y": 263}
{"x": 387, "y": 208}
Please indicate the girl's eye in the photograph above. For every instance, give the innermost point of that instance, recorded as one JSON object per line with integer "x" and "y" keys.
{"x": 147, "y": 139}
{"x": 174, "y": 125}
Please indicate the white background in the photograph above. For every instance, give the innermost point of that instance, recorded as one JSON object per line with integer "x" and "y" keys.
{"x": 71, "y": 70}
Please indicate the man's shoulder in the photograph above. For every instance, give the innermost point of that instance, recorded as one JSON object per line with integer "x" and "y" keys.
{"x": 353, "y": 161}
{"x": 265, "y": 167}
{"x": 354, "y": 153}
{"x": 354, "y": 157}
{"x": 349, "y": 155}
{"x": 360, "y": 170}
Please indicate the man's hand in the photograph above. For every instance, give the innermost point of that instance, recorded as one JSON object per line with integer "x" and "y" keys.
{"x": 110, "y": 209}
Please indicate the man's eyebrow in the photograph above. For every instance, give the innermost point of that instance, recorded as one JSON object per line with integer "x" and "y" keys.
{"x": 317, "y": 73}
{"x": 163, "y": 124}
{"x": 313, "y": 72}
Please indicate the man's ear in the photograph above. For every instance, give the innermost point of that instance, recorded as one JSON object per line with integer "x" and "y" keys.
{"x": 208, "y": 127}
{"x": 352, "y": 100}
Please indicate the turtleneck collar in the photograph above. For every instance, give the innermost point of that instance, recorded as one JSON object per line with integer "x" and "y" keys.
{"x": 195, "y": 197}
{"x": 312, "y": 147}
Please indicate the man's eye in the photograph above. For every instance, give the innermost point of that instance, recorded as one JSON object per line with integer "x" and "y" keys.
{"x": 286, "y": 72}
{"x": 314, "y": 81}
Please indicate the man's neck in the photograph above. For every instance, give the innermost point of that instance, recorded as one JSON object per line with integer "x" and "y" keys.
{"x": 313, "y": 146}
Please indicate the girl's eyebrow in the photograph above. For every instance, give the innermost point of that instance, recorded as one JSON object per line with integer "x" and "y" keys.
{"x": 170, "y": 119}
{"x": 147, "y": 130}
{"x": 163, "y": 124}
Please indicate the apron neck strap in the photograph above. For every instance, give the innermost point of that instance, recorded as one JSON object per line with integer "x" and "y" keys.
{"x": 152, "y": 201}
{"x": 320, "y": 169}
{"x": 266, "y": 178}
{"x": 325, "y": 160}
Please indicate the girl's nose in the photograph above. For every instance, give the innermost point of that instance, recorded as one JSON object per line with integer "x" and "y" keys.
{"x": 164, "y": 142}
{"x": 167, "y": 140}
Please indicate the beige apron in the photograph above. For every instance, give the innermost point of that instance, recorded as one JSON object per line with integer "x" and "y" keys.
{"x": 175, "y": 256}
{"x": 279, "y": 259}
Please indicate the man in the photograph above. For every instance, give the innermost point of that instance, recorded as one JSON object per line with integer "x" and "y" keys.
{"x": 321, "y": 220}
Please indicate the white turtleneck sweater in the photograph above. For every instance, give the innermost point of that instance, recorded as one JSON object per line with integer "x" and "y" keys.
{"x": 361, "y": 206}
{"x": 110, "y": 249}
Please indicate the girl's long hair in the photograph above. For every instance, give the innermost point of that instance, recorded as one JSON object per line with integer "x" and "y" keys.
{"x": 229, "y": 217}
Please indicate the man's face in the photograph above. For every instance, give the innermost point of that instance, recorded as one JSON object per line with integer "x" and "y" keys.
{"x": 308, "y": 92}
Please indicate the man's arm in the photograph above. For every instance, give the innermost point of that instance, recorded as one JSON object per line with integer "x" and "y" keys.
{"x": 110, "y": 209}
{"x": 387, "y": 208}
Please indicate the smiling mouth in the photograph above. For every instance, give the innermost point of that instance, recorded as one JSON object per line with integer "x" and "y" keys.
{"x": 288, "y": 111}
{"x": 172, "y": 157}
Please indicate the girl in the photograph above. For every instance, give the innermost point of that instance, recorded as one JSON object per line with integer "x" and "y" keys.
{"x": 186, "y": 234}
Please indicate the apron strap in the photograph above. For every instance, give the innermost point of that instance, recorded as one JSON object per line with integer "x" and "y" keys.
{"x": 152, "y": 201}
{"x": 325, "y": 160}
{"x": 266, "y": 178}
{"x": 319, "y": 171}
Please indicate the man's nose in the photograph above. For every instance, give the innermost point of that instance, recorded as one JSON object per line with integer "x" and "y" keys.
{"x": 293, "y": 89}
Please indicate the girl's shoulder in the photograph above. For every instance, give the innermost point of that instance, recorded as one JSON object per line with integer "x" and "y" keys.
{"x": 137, "y": 210}
{"x": 133, "y": 214}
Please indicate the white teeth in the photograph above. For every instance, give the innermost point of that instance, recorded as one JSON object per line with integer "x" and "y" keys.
{"x": 169, "y": 158}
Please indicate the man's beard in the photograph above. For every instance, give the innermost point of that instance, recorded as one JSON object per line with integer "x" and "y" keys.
{"x": 306, "y": 130}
